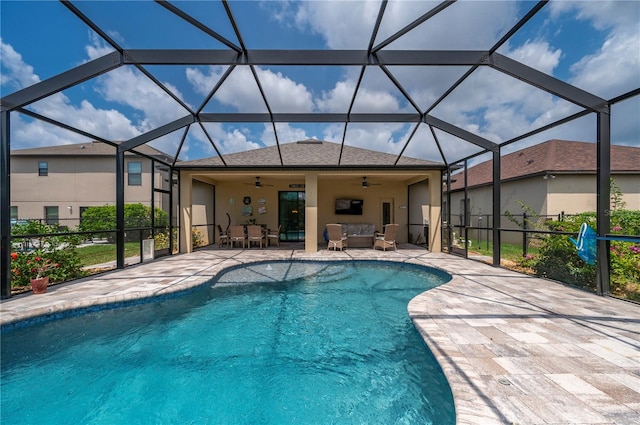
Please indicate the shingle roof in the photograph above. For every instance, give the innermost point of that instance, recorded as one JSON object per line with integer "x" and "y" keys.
{"x": 310, "y": 153}
{"x": 93, "y": 148}
{"x": 552, "y": 156}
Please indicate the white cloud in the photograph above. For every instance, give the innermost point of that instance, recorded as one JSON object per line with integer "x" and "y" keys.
{"x": 108, "y": 124}
{"x": 286, "y": 133}
{"x": 229, "y": 139}
{"x": 129, "y": 87}
{"x": 497, "y": 107}
{"x": 284, "y": 94}
{"x": 344, "y": 25}
{"x": 337, "y": 99}
{"x": 537, "y": 54}
{"x": 241, "y": 91}
{"x": 381, "y": 137}
{"x": 614, "y": 69}
{"x": 19, "y": 74}
{"x": 375, "y": 101}
{"x": 603, "y": 14}
{"x": 236, "y": 141}
{"x": 463, "y": 25}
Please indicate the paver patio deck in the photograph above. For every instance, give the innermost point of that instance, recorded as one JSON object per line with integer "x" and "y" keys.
{"x": 515, "y": 349}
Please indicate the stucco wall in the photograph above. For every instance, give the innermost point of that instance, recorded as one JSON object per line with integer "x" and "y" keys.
{"x": 72, "y": 182}
{"x": 203, "y": 211}
{"x": 547, "y": 197}
{"x": 230, "y": 196}
{"x": 393, "y": 192}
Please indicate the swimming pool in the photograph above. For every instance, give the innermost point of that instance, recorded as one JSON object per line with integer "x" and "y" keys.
{"x": 271, "y": 343}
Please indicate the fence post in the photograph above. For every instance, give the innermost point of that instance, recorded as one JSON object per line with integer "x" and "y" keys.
{"x": 524, "y": 234}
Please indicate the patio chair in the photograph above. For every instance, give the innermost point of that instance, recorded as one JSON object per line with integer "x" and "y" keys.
{"x": 337, "y": 239}
{"x": 236, "y": 234}
{"x": 274, "y": 235}
{"x": 254, "y": 234}
{"x": 387, "y": 239}
{"x": 223, "y": 236}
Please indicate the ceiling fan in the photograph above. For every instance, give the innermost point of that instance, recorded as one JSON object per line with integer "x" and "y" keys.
{"x": 258, "y": 184}
{"x": 365, "y": 184}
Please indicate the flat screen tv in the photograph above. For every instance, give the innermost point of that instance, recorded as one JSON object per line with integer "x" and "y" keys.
{"x": 349, "y": 206}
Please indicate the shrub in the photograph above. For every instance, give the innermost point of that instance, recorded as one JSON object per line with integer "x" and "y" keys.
{"x": 56, "y": 256}
{"x": 558, "y": 259}
{"x": 196, "y": 238}
{"x": 557, "y": 255}
{"x": 103, "y": 218}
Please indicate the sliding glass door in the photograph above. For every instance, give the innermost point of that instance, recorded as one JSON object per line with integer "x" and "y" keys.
{"x": 291, "y": 215}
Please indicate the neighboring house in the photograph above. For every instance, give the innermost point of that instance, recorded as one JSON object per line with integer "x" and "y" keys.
{"x": 552, "y": 178}
{"x": 56, "y": 183}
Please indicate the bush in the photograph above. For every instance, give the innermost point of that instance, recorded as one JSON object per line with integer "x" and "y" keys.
{"x": 558, "y": 259}
{"x": 162, "y": 240}
{"x": 96, "y": 219}
{"x": 55, "y": 255}
{"x": 557, "y": 255}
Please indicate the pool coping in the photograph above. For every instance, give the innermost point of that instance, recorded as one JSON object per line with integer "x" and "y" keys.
{"x": 514, "y": 348}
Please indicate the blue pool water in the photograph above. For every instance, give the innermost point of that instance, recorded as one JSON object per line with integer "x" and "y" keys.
{"x": 272, "y": 343}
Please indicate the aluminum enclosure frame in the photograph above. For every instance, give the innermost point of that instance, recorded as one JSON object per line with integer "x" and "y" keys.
{"x": 374, "y": 56}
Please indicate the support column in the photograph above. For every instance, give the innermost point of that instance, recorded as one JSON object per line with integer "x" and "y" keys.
{"x": 496, "y": 207}
{"x": 435, "y": 213}
{"x": 5, "y": 206}
{"x": 311, "y": 213}
{"x": 603, "y": 202}
{"x": 186, "y": 212}
{"x": 120, "y": 209}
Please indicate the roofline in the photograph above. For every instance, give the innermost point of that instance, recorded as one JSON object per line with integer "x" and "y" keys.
{"x": 541, "y": 174}
{"x": 219, "y": 168}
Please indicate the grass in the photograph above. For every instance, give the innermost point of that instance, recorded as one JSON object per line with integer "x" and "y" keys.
{"x": 103, "y": 253}
{"x": 511, "y": 252}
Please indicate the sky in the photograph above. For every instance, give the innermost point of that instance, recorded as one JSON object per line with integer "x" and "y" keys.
{"x": 594, "y": 45}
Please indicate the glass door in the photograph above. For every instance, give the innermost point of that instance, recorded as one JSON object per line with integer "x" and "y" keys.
{"x": 291, "y": 215}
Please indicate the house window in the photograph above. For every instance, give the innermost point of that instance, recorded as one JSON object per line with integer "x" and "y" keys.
{"x": 14, "y": 213}
{"x": 51, "y": 215}
{"x": 82, "y": 210}
{"x": 134, "y": 172}
{"x": 43, "y": 168}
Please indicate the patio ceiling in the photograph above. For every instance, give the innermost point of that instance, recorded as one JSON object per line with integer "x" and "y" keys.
{"x": 394, "y": 87}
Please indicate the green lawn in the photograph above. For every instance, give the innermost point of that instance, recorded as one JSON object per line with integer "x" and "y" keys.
{"x": 507, "y": 251}
{"x": 103, "y": 253}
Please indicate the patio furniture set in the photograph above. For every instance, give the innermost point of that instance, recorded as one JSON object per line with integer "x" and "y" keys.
{"x": 340, "y": 238}
{"x": 253, "y": 233}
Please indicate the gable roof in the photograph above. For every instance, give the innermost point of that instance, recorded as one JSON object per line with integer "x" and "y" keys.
{"x": 553, "y": 156}
{"x": 93, "y": 148}
{"x": 311, "y": 154}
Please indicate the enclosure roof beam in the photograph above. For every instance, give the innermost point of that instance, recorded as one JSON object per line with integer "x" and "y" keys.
{"x": 61, "y": 81}
{"x": 156, "y": 133}
{"x": 304, "y": 57}
{"x": 309, "y": 117}
{"x": 547, "y": 82}
{"x": 461, "y": 133}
